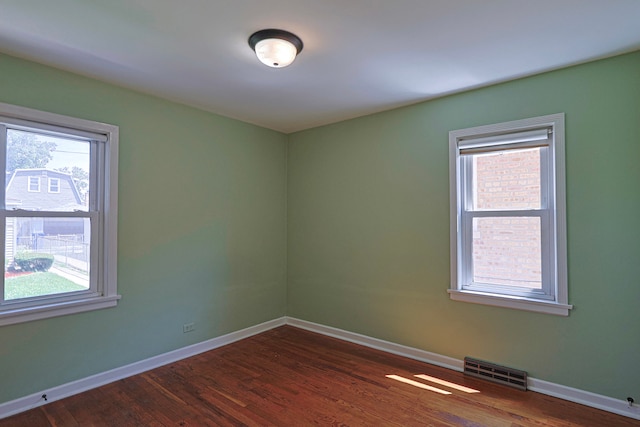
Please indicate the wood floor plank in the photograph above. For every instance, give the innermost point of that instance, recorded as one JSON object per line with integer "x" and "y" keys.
{"x": 291, "y": 377}
{"x": 32, "y": 418}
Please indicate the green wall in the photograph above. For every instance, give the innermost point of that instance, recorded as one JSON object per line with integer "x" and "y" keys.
{"x": 202, "y": 226}
{"x": 368, "y": 229}
{"x": 214, "y": 212}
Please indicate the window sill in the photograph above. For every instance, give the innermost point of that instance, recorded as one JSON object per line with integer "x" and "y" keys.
{"x": 517, "y": 303}
{"x": 45, "y": 311}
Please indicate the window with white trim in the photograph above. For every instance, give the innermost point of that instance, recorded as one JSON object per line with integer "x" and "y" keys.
{"x": 54, "y": 185}
{"x": 59, "y": 249}
{"x": 34, "y": 184}
{"x": 508, "y": 238}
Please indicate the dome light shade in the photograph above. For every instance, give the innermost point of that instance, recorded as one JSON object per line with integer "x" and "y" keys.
{"x": 275, "y": 53}
{"x": 275, "y": 48}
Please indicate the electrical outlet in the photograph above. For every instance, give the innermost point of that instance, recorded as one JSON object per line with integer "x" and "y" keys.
{"x": 188, "y": 327}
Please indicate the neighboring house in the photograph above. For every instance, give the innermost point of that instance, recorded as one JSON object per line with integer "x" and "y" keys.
{"x": 41, "y": 190}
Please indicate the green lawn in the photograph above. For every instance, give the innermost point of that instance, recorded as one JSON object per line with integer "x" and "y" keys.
{"x": 38, "y": 284}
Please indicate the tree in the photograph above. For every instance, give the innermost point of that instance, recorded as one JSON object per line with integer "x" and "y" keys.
{"x": 80, "y": 178}
{"x": 25, "y": 151}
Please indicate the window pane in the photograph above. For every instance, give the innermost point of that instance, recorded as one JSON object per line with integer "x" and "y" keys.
{"x": 46, "y": 256}
{"x": 507, "y": 251}
{"x": 46, "y": 173}
{"x": 507, "y": 180}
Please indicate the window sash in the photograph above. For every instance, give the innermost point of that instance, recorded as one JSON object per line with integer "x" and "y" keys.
{"x": 466, "y": 184}
{"x": 94, "y": 214}
{"x": 466, "y": 267}
{"x": 494, "y": 145}
{"x": 95, "y": 286}
{"x": 467, "y": 213}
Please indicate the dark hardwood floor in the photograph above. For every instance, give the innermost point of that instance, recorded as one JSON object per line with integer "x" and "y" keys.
{"x": 291, "y": 377}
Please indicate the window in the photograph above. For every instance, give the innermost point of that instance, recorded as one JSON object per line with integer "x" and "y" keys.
{"x": 54, "y": 185}
{"x": 508, "y": 239}
{"x": 59, "y": 249}
{"x": 34, "y": 184}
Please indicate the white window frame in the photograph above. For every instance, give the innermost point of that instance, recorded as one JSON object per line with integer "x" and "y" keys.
{"x": 546, "y": 132}
{"x": 102, "y": 213}
{"x": 57, "y": 185}
{"x": 33, "y": 188}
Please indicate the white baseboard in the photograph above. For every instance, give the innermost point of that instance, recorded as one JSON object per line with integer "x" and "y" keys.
{"x": 563, "y": 392}
{"x": 386, "y": 346}
{"x": 582, "y": 397}
{"x": 598, "y": 401}
{"x": 60, "y": 392}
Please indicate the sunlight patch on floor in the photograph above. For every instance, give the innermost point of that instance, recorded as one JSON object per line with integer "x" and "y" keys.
{"x": 447, "y": 383}
{"x": 433, "y": 380}
{"x": 417, "y": 384}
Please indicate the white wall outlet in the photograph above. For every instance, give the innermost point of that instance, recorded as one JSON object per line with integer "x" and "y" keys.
{"x": 188, "y": 327}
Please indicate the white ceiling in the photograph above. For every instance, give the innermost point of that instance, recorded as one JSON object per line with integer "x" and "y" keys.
{"x": 359, "y": 56}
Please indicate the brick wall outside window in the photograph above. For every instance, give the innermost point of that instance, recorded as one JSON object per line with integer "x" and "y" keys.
{"x": 507, "y": 251}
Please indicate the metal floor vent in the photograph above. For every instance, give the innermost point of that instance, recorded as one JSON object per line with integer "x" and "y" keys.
{"x": 496, "y": 373}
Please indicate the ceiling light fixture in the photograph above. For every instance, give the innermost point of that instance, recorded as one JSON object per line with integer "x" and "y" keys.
{"x": 275, "y": 48}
